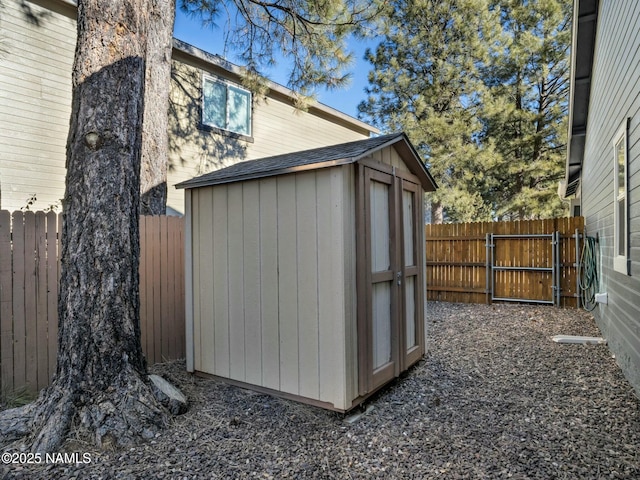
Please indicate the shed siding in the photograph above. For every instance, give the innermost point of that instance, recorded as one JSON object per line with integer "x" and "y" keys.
{"x": 389, "y": 156}
{"x": 285, "y": 302}
{"x": 288, "y": 283}
{"x": 615, "y": 96}
{"x": 35, "y": 86}
{"x": 336, "y": 292}
{"x": 307, "y": 270}
{"x": 349, "y": 293}
{"x": 204, "y": 332}
{"x": 220, "y": 214}
{"x": 236, "y": 282}
{"x": 252, "y": 298}
{"x": 269, "y": 287}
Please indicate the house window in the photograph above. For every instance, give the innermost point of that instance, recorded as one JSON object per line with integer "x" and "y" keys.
{"x": 226, "y": 106}
{"x": 621, "y": 195}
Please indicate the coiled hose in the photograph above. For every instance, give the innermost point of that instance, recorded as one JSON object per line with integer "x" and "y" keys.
{"x": 588, "y": 273}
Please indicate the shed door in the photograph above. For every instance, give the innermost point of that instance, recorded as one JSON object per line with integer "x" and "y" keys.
{"x": 390, "y": 310}
{"x": 412, "y": 294}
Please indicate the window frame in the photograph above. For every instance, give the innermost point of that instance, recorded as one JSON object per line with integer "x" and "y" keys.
{"x": 206, "y": 77}
{"x": 621, "y": 199}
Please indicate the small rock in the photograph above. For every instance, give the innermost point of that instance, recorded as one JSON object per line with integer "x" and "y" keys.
{"x": 168, "y": 395}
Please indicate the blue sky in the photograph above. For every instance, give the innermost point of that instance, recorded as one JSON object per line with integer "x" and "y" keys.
{"x": 346, "y": 100}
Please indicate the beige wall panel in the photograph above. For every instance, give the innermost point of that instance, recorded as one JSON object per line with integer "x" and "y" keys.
{"x": 34, "y": 116}
{"x": 27, "y": 105}
{"x": 396, "y": 161}
{"x": 204, "y": 284}
{"x": 235, "y": 249}
{"x": 197, "y": 241}
{"x": 307, "y": 266}
{"x": 189, "y": 316}
{"x": 389, "y": 156}
{"x": 350, "y": 294}
{"x": 269, "y": 283}
{"x": 282, "y": 293}
{"x": 219, "y": 250}
{"x": 288, "y": 284}
{"x": 377, "y": 156}
{"x": 252, "y": 298}
{"x": 410, "y": 312}
{"x": 381, "y": 324}
{"x": 380, "y": 229}
{"x": 331, "y": 285}
{"x": 49, "y": 25}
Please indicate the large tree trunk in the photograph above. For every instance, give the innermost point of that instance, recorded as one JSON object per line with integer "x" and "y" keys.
{"x": 155, "y": 139}
{"x": 101, "y": 380}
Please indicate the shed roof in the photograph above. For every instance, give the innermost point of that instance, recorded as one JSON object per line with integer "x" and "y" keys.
{"x": 317, "y": 158}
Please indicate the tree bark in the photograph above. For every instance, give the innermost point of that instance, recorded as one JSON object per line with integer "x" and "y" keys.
{"x": 437, "y": 213}
{"x": 155, "y": 139}
{"x": 101, "y": 380}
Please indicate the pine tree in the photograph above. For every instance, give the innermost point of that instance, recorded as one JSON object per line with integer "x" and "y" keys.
{"x": 481, "y": 88}
{"x": 525, "y": 106}
{"x": 426, "y": 82}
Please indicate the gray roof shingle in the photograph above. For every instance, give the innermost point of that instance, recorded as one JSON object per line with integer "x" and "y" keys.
{"x": 290, "y": 162}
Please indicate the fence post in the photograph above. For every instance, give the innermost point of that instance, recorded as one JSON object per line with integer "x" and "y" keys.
{"x": 554, "y": 266}
{"x": 578, "y": 268}
{"x": 487, "y": 262}
{"x": 492, "y": 245}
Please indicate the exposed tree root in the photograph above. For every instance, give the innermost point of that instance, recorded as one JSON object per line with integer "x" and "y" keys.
{"x": 124, "y": 413}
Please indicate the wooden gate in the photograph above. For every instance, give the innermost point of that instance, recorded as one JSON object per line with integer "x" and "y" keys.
{"x": 527, "y": 261}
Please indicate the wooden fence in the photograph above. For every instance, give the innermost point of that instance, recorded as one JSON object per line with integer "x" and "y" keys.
{"x": 29, "y": 273}
{"x": 504, "y": 261}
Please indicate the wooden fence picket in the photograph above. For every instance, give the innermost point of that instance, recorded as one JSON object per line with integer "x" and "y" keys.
{"x": 29, "y": 279}
{"x": 458, "y": 261}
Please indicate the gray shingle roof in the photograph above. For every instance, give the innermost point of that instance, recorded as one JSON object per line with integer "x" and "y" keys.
{"x": 290, "y": 162}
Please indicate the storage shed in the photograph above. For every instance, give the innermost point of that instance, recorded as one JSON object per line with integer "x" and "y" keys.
{"x": 305, "y": 271}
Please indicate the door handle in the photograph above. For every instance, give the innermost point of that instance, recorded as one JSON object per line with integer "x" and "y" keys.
{"x": 399, "y": 277}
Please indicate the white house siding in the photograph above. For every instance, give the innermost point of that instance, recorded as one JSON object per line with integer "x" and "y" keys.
{"x": 615, "y": 96}
{"x": 275, "y": 306}
{"x": 277, "y": 128}
{"x": 35, "y": 93}
{"x": 35, "y": 88}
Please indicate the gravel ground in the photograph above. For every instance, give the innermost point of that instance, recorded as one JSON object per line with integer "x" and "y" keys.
{"x": 493, "y": 398}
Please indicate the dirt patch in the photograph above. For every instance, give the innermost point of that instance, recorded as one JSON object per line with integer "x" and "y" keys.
{"x": 493, "y": 398}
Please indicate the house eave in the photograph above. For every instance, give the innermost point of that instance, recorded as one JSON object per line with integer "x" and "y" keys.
{"x": 69, "y": 8}
{"x": 274, "y": 88}
{"x": 585, "y": 17}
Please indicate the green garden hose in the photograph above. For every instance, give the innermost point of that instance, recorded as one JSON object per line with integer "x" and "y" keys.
{"x": 588, "y": 273}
